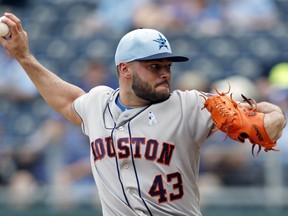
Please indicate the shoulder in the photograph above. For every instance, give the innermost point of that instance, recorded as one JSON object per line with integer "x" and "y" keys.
{"x": 186, "y": 92}
{"x": 95, "y": 96}
{"x": 190, "y": 103}
{"x": 184, "y": 101}
{"x": 188, "y": 96}
{"x": 100, "y": 90}
{"x": 97, "y": 92}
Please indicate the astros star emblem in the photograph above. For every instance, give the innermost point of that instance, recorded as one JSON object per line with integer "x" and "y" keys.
{"x": 161, "y": 41}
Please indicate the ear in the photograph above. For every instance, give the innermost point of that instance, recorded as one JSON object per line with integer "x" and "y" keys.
{"x": 124, "y": 70}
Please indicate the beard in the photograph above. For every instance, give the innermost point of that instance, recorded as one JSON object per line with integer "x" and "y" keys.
{"x": 145, "y": 91}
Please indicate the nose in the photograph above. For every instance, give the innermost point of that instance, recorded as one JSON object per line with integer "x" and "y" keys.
{"x": 165, "y": 71}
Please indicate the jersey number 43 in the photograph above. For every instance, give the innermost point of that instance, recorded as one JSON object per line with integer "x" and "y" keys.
{"x": 158, "y": 190}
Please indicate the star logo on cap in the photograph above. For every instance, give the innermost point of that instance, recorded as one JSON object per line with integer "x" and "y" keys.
{"x": 161, "y": 41}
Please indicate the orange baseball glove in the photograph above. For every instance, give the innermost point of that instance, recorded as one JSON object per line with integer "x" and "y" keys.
{"x": 237, "y": 121}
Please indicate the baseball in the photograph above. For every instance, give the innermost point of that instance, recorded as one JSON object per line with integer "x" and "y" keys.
{"x": 4, "y": 29}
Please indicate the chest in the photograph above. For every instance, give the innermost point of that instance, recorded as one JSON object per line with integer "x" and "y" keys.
{"x": 143, "y": 134}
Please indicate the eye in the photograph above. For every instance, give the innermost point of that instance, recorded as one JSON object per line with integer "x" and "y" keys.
{"x": 169, "y": 66}
{"x": 158, "y": 67}
{"x": 155, "y": 66}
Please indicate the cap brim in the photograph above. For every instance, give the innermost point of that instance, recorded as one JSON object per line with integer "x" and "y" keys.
{"x": 170, "y": 56}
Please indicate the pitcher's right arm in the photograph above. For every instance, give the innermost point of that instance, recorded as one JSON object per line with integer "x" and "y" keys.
{"x": 58, "y": 93}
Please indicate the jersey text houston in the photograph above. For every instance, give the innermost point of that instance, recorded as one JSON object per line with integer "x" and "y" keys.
{"x": 104, "y": 147}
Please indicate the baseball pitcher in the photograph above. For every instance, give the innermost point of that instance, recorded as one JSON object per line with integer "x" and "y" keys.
{"x": 145, "y": 140}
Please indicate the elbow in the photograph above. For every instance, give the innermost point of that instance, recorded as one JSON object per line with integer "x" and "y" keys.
{"x": 279, "y": 123}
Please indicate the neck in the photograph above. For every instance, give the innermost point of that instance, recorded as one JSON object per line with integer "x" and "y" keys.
{"x": 129, "y": 99}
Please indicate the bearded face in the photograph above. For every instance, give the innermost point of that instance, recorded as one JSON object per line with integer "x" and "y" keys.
{"x": 149, "y": 92}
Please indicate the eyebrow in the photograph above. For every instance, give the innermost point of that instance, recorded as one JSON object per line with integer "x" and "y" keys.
{"x": 157, "y": 61}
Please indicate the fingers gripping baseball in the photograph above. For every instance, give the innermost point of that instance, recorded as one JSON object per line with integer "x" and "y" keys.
{"x": 242, "y": 122}
{"x": 17, "y": 44}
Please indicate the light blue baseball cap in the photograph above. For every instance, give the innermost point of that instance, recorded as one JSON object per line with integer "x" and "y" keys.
{"x": 143, "y": 45}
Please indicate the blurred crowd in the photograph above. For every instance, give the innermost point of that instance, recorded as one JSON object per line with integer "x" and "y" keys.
{"x": 49, "y": 152}
{"x": 211, "y": 17}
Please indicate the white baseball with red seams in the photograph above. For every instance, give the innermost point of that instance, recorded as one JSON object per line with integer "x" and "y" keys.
{"x": 4, "y": 29}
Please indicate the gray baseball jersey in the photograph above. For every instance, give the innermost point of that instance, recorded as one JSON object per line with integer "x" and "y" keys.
{"x": 145, "y": 161}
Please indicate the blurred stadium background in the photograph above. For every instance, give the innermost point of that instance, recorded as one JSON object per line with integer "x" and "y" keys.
{"x": 44, "y": 160}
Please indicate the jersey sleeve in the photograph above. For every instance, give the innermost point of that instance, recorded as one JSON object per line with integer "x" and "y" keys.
{"x": 200, "y": 122}
{"x": 204, "y": 116}
{"x": 90, "y": 105}
{"x": 79, "y": 107}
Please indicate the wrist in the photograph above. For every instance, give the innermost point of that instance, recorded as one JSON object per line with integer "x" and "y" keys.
{"x": 25, "y": 58}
